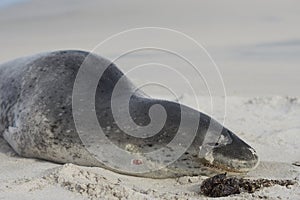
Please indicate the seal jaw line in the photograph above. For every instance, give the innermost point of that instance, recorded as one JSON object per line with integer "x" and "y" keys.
{"x": 225, "y": 168}
{"x": 229, "y": 164}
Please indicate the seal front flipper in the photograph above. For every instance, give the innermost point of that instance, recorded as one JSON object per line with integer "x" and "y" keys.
{"x": 12, "y": 137}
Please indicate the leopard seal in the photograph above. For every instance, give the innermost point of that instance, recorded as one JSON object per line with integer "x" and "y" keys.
{"x": 36, "y": 118}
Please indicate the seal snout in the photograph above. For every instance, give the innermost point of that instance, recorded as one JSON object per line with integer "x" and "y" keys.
{"x": 244, "y": 160}
{"x": 236, "y": 156}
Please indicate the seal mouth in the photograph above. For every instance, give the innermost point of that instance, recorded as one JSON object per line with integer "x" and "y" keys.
{"x": 231, "y": 163}
{"x": 233, "y": 155}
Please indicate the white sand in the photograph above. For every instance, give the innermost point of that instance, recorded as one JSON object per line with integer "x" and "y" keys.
{"x": 256, "y": 46}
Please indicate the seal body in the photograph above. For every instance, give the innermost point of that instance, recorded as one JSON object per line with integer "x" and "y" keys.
{"x": 36, "y": 118}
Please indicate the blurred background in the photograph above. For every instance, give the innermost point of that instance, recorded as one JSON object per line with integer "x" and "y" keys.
{"x": 256, "y": 44}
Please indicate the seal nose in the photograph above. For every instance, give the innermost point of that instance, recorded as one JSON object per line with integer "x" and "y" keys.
{"x": 231, "y": 153}
{"x": 235, "y": 156}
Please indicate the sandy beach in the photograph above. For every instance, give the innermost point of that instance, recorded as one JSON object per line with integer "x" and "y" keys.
{"x": 257, "y": 54}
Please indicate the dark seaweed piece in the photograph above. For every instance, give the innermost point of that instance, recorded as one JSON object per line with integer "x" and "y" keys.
{"x": 221, "y": 185}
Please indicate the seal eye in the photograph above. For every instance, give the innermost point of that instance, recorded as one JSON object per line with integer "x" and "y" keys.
{"x": 224, "y": 139}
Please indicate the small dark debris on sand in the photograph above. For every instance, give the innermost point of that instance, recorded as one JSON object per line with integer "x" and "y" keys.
{"x": 296, "y": 164}
{"x": 221, "y": 185}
